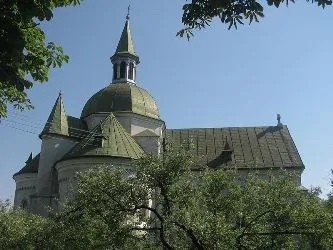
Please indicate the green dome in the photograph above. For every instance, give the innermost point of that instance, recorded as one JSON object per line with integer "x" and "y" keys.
{"x": 121, "y": 97}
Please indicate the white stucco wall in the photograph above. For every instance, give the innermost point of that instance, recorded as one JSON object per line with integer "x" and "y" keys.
{"x": 133, "y": 123}
{"x": 149, "y": 144}
{"x": 94, "y": 119}
{"x": 52, "y": 150}
{"x": 25, "y": 186}
{"x": 68, "y": 169}
{"x": 141, "y": 123}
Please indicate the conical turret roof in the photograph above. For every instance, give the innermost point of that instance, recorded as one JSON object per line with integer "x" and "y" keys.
{"x": 109, "y": 138}
{"x": 125, "y": 44}
{"x": 31, "y": 165}
{"x": 57, "y": 122}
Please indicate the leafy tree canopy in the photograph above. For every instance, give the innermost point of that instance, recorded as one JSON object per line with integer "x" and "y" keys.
{"x": 23, "y": 49}
{"x": 168, "y": 203}
{"x": 199, "y": 13}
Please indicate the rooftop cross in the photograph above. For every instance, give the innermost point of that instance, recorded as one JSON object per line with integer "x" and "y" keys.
{"x": 128, "y": 12}
{"x": 278, "y": 117}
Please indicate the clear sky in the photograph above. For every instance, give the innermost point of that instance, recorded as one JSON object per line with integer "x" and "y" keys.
{"x": 219, "y": 78}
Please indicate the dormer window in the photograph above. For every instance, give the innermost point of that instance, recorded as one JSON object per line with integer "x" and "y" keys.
{"x": 131, "y": 71}
{"x": 115, "y": 71}
{"x": 122, "y": 69}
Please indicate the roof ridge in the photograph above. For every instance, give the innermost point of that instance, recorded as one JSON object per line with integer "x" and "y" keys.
{"x": 265, "y": 126}
{"x": 252, "y": 146}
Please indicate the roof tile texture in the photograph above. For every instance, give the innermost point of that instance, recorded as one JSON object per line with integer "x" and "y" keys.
{"x": 269, "y": 147}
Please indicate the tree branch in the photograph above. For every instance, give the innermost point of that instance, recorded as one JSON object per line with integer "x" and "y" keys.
{"x": 166, "y": 198}
{"x": 193, "y": 238}
{"x": 153, "y": 210}
{"x": 161, "y": 219}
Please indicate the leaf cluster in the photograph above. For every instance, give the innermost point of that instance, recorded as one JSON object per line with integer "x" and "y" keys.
{"x": 169, "y": 203}
{"x": 24, "y": 52}
{"x": 198, "y": 14}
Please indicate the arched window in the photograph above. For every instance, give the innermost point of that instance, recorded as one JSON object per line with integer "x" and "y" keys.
{"x": 122, "y": 69}
{"x": 24, "y": 204}
{"x": 115, "y": 70}
{"x": 131, "y": 71}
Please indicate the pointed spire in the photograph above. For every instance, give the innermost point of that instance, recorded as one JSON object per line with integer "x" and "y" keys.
{"x": 125, "y": 59}
{"x": 29, "y": 159}
{"x": 125, "y": 44}
{"x": 57, "y": 122}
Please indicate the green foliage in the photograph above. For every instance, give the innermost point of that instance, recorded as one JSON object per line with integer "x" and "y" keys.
{"x": 19, "y": 229}
{"x": 168, "y": 202}
{"x": 24, "y": 53}
{"x": 199, "y": 13}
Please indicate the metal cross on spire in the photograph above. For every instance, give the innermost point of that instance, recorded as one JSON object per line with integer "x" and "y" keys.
{"x": 128, "y": 12}
{"x": 278, "y": 117}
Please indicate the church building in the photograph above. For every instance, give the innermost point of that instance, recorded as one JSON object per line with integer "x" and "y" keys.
{"x": 120, "y": 123}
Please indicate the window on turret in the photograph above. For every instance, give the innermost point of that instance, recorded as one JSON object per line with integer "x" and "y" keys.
{"x": 115, "y": 70}
{"x": 131, "y": 71}
{"x": 122, "y": 69}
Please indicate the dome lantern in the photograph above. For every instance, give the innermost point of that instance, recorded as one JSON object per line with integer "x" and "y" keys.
{"x": 122, "y": 95}
{"x": 125, "y": 59}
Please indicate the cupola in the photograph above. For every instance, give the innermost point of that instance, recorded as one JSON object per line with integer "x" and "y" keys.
{"x": 125, "y": 59}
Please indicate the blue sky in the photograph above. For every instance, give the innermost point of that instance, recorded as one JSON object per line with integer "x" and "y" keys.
{"x": 219, "y": 78}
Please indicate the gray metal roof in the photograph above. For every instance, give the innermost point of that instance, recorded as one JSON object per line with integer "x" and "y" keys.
{"x": 269, "y": 147}
{"x": 120, "y": 97}
{"x": 57, "y": 122}
{"x": 125, "y": 44}
{"x": 31, "y": 165}
{"x": 109, "y": 138}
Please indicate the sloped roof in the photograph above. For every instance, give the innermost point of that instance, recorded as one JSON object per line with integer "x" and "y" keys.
{"x": 271, "y": 147}
{"x": 31, "y": 165}
{"x": 125, "y": 44}
{"x": 77, "y": 128}
{"x": 57, "y": 122}
{"x": 109, "y": 138}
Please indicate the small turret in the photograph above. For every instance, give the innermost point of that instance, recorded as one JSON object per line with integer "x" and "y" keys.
{"x": 25, "y": 180}
{"x": 55, "y": 144}
{"x": 57, "y": 122}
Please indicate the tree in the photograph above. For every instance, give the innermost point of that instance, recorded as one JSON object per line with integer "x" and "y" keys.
{"x": 19, "y": 229}
{"x": 22, "y": 230}
{"x": 329, "y": 201}
{"x": 25, "y": 56}
{"x": 199, "y": 13}
{"x": 169, "y": 203}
